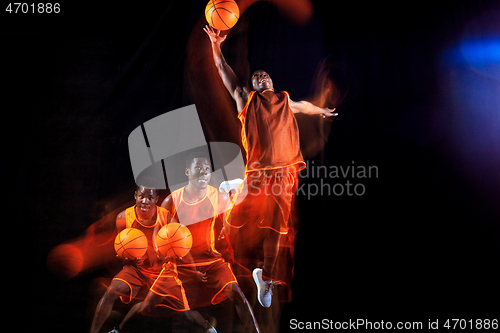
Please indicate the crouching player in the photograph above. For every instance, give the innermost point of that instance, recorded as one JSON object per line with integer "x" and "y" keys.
{"x": 206, "y": 277}
{"x": 160, "y": 276}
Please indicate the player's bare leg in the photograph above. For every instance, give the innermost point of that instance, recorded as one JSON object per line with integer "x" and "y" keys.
{"x": 271, "y": 250}
{"x": 243, "y": 308}
{"x": 150, "y": 307}
{"x": 130, "y": 314}
{"x": 196, "y": 317}
{"x": 116, "y": 289}
{"x": 262, "y": 277}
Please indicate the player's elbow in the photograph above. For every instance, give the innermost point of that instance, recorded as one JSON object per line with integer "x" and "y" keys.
{"x": 301, "y": 107}
{"x": 295, "y": 109}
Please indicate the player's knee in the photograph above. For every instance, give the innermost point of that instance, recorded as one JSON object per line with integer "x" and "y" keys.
{"x": 110, "y": 296}
{"x": 116, "y": 289}
{"x": 147, "y": 307}
{"x": 234, "y": 292}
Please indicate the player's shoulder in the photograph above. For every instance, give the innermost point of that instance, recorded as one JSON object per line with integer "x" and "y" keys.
{"x": 211, "y": 189}
{"x": 242, "y": 92}
{"x": 162, "y": 210}
{"x": 167, "y": 202}
{"x": 283, "y": 95}
{"x": 121, "y": 215}
{"x": 176, "y": 192}
{"x": 241, "y": 95}
{"x": 121, "y": 220}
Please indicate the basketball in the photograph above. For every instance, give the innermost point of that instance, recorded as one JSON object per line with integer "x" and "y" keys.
{"x": 222, "y": 14}
{"x": 174, "y": 240}
{"x": 131, "y": 243}
{"x": 65, "y": 261}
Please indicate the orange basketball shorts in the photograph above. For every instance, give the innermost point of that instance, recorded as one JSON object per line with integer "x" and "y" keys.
{"x": 201, "y": 294}
{"x": 164, "y": 282}
{"x": 264, "y": 199}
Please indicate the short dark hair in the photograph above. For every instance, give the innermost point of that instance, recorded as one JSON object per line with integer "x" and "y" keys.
{"x": 196, "y": 154}
{"x": 147, "y": 182}
{"x": 145, "y": 186}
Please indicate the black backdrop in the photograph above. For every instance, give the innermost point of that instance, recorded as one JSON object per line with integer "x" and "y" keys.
{"x": 423, "y": 242}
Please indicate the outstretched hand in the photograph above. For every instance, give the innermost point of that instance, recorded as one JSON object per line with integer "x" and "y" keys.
{"x": 202, "y": 276}
{"x": 215, "y": 37}
{"x": 328, "y": 113}
{"x": 311, "y": 109}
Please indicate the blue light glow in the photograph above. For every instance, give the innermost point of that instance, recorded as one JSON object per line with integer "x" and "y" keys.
{"x": 481, "y": 52}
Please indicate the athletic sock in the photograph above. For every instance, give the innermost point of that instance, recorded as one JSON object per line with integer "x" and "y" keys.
{"x": 266, "y": 276}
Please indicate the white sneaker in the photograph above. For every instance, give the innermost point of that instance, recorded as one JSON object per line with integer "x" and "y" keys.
{"x": 264, "y": 288}
{"x": 212, "y": 323}
{"x": 229, "y": 185}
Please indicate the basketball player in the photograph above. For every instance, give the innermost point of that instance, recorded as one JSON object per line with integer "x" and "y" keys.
{"x": 270, "y": 137}
{"x": 208, "y": 279}
{"x": 160, "y": 276}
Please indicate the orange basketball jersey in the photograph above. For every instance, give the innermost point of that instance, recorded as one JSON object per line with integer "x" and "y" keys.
{"x": 269, "y": 133}
{"x": 200, "y": 218}
{"x": 161, "y": 220}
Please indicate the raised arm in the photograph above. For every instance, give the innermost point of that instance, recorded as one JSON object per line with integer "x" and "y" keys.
{"x": 238, "y": 92}
{"x": 311, "y": 109}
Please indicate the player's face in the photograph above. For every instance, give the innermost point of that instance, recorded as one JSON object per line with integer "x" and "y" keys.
{"x": 261, "y": 81}
{"x": 199, "y": 173}
{"x": 145, "y": 199}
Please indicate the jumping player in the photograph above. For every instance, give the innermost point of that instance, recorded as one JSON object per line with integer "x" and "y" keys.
{"x": 208, "y": 279}
{"x": 158, "y": 274}
{"x": 270, "y": 137}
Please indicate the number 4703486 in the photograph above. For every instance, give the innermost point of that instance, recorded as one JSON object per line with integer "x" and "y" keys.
{"x": 34, "y": 8}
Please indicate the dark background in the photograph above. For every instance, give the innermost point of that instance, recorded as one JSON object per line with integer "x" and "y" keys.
{"x": 423, "y": 242}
